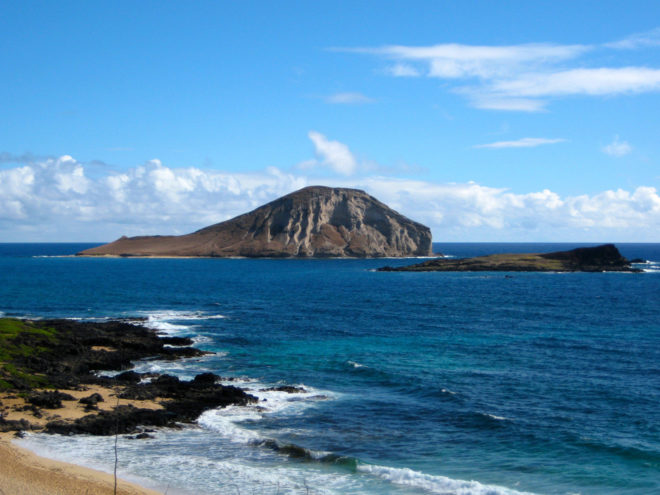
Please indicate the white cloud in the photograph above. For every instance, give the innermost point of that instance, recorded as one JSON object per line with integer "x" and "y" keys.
{"x": 332, "y": 154}
{"x": 454, "y": 60}
{"x": 348, "y": 99}
{"x": 638, "y": 40}
{"x": 581, "y": 81}
{"x": 403, "y": 70}
{"x": 522, "y": 77}
{"x": 499, "y": 102}
{"x": 617, "y": 148}
{"x": 56, "y": 200}
{"x": 521, "y": 143}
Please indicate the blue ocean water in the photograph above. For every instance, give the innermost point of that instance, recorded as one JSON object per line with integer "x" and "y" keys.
{"x": 449, "y": 383}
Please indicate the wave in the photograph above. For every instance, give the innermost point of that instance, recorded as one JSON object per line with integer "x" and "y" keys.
{"x": 239, "y": 424}
{"x": 234, "y": 422}
{"x": 300, "y": 453}
{"x": 648, "y": 266}
{"x": 169, "y": 321}
{"x": 167, "y": 315}
{"x": 434, "y": 483}
{"x": 496, "y": 418}
{"x": 355, "y": 364}
{"x": 53, "y": 256}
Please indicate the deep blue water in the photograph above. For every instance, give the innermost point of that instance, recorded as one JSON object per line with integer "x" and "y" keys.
{"x": 417, "y": 382}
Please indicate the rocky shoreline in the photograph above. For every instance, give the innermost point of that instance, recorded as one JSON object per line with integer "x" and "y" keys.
{"x": 49, "y": 366}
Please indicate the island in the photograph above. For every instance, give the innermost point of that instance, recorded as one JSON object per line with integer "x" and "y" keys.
{"x": 605, "y": 258}
{"x": 316, "y": 221}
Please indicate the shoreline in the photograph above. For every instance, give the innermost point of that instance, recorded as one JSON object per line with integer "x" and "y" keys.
{"x": 174, "y": 256}
{"x": 23, "y": 472}
{"x": 48, "y": 384}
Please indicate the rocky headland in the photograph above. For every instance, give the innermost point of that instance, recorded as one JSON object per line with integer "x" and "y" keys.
{"x": 605, "y": 258}
{"x": 313, "y": 222}
{"x": 49, "y": 380}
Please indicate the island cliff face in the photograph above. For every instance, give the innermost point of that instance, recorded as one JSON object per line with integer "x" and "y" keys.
{"x": 312, "y": 222}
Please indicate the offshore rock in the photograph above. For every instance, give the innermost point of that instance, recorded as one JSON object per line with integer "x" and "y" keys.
{"x": 313, "y": 222}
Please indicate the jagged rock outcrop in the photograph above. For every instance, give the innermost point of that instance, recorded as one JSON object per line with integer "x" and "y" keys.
{"x": 605, "y": 258}
{"x": 312, "y": 222}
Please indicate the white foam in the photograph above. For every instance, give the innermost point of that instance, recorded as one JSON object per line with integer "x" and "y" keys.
{"x": 168, "y": 315}
{"x": 202, "y": 339}
{"x": 651, "y": 267}
{"x": 357, "y": 365}
{"x": 165, "y": 327}
{"x": 238, "y": 381}
{"x": 225, "y": 421}
{"x": 180, "y": 367}
{"x": 278, "y": 402}
{"x": 163, "y": 321}
{"x": 228, "y": 421}
{"x": 498, "y": 418}
{"x": 435, "y": 484}
{"x": 60, "y": 448}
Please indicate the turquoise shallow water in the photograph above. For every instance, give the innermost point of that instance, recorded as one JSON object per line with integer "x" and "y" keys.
{"x": 451, "y": 383}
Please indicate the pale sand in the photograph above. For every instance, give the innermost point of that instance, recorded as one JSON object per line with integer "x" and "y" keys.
{"x": 70, "y": 410}
{"x": 24, "y": 473}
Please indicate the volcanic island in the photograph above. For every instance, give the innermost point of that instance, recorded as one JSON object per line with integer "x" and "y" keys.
{"x": 314, "y": 222}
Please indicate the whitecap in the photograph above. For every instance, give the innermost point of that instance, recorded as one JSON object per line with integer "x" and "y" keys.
{"x": 165, "y": 327}
{"x": 650, "y": 267}
{"x": 168, "y": 315}
{"x": 169, "y": 321}
{"x": 434, "y": 483}
{"x": 355, "y": 364}
{"x": 497, "y": 418}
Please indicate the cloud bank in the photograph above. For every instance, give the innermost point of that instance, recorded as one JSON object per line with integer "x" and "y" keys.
{"x": 55, "y": 199}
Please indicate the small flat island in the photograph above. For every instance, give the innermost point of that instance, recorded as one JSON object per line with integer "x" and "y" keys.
{"x": 605, "y": 258}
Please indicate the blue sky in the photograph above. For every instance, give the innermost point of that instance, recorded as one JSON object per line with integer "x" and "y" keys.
{"x": 488, "y": 121}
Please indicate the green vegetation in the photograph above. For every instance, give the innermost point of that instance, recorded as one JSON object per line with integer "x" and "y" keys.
{"x": 19, "y": 341}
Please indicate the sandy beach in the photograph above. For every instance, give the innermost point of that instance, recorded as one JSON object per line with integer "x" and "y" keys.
{"x": 23, "y": 472}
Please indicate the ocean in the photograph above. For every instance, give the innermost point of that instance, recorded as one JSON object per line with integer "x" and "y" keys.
{"x": 415, "y": 383}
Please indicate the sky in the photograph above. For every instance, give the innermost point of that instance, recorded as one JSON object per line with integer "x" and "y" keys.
{"x": 487, "y": 121}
